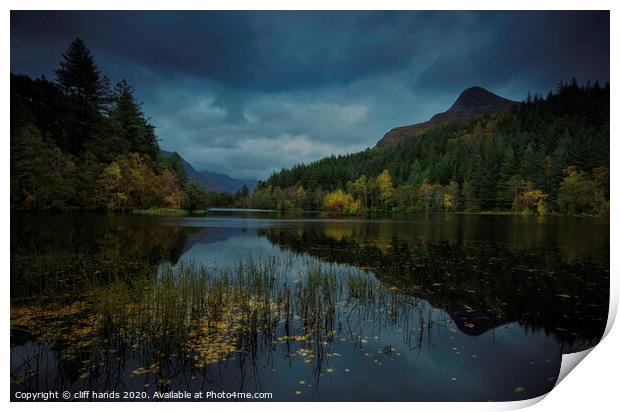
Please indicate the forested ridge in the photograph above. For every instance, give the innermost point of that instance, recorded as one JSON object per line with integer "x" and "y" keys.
{"x": 546, "y": 155}
{"x": 79, "y": 143}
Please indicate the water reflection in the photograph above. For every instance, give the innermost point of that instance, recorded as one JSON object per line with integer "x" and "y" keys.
{"x": 417, "y": 309}
{"x": 480, "y": 284}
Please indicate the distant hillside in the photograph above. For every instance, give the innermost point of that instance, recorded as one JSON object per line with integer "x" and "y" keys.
{"x": 554, "y": 150}
{"x": 213, "y": 181}
{"x": 229, "y": 184}
{"x": 472, "y": 103}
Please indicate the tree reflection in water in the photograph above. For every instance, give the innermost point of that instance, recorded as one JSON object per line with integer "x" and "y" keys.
{"x": 113, "y": 303}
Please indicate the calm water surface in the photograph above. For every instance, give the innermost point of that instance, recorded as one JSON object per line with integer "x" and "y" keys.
{"x": 445, "y": 307}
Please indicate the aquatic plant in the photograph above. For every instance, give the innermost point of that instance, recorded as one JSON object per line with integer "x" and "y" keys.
{"x": 187, "y": 313}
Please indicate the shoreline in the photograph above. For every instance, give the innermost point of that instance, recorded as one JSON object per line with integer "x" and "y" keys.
{"x": 201, "y": 212}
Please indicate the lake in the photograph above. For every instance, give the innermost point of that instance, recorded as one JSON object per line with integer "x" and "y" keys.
{"x": 307, "y": 307}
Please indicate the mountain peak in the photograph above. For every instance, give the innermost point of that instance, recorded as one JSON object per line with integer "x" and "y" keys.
{"x": 479, "y": 100}
{"x": 472, "y": 103}
{"x": 474, "y": 96}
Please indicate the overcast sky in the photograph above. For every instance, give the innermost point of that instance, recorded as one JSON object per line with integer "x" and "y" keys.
{"x": 245, "y": 93}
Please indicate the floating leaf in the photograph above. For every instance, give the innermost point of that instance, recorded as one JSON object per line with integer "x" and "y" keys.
{"x": 469, "y": 308}
{"x": 519, "y": 389}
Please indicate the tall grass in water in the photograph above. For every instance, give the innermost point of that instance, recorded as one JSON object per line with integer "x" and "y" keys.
{"x": 190, "y": 315}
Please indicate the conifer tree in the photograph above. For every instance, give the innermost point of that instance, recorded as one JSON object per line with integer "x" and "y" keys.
{"x": 532, "y": 165}
{"x": 88, "y": 94}
{"x": 134, "y": 132}
{"x": 508, "y": 168}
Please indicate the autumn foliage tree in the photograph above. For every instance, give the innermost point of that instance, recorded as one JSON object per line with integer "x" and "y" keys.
{"x": 581, "y": 192}
{"x": 340, "y": 202}
{"x": 131, "y": 182}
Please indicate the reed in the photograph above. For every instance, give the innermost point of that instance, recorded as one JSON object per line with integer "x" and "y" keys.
{"x": 187, "y": 313}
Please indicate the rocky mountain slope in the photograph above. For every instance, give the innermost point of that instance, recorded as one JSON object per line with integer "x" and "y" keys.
{"x": 472, "y": 103}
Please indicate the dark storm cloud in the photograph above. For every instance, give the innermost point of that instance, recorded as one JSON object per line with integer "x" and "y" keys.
{"x": 248, "y": 92}
{"x": 539, "y": 49}
{"x": 261, "y": 50}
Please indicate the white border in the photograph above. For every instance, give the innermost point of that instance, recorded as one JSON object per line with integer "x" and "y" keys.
{"x": 593, "y": 385}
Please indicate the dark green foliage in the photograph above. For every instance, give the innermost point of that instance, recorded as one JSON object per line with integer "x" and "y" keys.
{"x": 37, "y": 102}
{"x": 195, "y": 197}
{"x": 507, "y": 169}
{"x": 175, "y": 162}
{"x": 532, "y": 165}
{"x": 42, "y": 177}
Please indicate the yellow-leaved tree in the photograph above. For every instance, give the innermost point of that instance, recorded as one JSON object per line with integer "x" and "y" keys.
{"x": 341, "y": 203}
{"x": 386, "y": 188}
